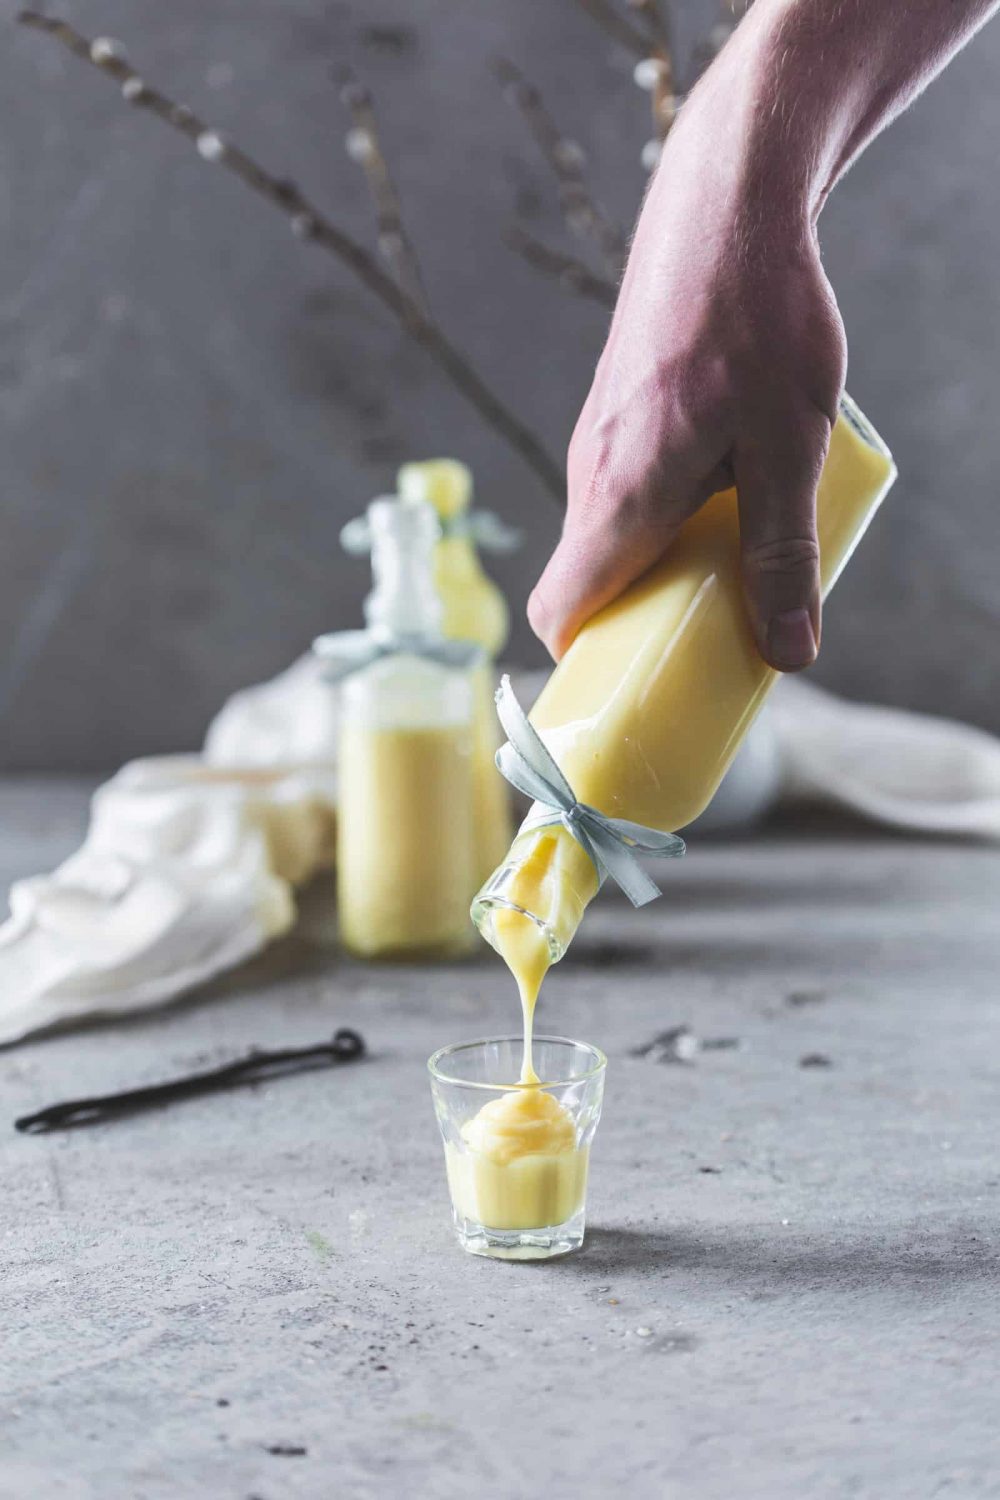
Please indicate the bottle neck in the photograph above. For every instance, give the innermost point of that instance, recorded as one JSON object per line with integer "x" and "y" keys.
{"x": 404, "y": 600}
{"x": 546, "y": 881}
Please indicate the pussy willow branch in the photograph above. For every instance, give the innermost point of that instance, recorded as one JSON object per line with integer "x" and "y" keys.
{"x": 652, "y": 46}
{"x": 566, "y": 158}
{"x": 309, "y": 223}
{"x": 664, "y": 90}
{"x": 617, "y": 27}
{"x": 656, "y": 20}
{"x": 655, "y": 72}
{"x": 731, "y": 13}
{"x": 567, "y": 270}
{"x": 364, "y": 147}
{"x": 653, "y": 49}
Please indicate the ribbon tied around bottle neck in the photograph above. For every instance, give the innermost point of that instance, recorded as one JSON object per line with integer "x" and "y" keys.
{"x": 484, "y": 528}
{"x": 345, "y": 652}
{"x": 613, "y": 844}
{"x": 488, "y": 531}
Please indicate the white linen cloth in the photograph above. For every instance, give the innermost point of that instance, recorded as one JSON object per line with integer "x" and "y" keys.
{"x": 903, "y": 770}
{"x": 190, "y": 862}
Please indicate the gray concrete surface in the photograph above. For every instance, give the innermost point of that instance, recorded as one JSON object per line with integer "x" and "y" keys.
{"x": 811, "y": 1249}
{"x": 191, "y": 403}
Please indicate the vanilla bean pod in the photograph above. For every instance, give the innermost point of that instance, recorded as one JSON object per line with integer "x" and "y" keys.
{"x": 309, "y": 223}
{"x": 259, "y": 1066}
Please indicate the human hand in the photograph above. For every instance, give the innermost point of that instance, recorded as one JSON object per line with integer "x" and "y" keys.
{"x": 724, "y": 364}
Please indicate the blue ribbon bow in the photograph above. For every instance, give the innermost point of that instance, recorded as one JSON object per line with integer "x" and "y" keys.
{"x": 489, "y": 531}
{"x": 485, "y": 528}
{"x": 612, "y": 843}
{"x": 344, "y": 652}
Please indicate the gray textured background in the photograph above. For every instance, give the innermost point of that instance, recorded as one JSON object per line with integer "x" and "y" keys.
{"x": 192, "y": 402}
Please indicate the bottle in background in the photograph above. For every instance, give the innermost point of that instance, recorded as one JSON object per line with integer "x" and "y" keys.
{"x": 407, "y": 853}
{"x": 474, "y": 610}
{"x": 474, "y": 607}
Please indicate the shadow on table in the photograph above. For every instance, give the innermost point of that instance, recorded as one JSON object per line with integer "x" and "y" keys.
{"x": 777, "y": 1264}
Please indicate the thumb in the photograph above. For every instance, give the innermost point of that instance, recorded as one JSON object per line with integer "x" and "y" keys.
{"x": 776, "y": 480}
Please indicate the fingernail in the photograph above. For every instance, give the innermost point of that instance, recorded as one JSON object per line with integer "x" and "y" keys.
{"x": 791, "y": 640}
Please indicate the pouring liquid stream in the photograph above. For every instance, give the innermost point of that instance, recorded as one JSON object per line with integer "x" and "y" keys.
{"x": 643, "y": 716}
{"x": 522, "y": 1168}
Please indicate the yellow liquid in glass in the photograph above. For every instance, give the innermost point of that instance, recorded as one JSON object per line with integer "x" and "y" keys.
{"x": 520, "y": 1167}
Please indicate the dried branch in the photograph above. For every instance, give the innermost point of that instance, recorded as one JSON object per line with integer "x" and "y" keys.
{"x": 657, "y": 23}
{"x": 572, "y": 273}
{"x": 656, "y": 76}
{"x": 364, "y": 147}
{"x": 656, "y": 70}
{"x": 653, "y": 47}
{"x": 664, "y": 90}
{"x": 617, "y": 27}
{"x": 309, "y": 223}
{"x": 708, "y": 49}
{"x": 566, "y": 158}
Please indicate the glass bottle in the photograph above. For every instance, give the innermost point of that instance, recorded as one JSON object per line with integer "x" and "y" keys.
{"x": 474, "y": 607}
{"x": 406, "y": 845}
{"x": 474, "y": 610}
{"x": 647, "y": 708}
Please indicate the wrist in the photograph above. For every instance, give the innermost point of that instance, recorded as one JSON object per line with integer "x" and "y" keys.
{"x": 733, "y": 160}
{"x": 783, "y": 109}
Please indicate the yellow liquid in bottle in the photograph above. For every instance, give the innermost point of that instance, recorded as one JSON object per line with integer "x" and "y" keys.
{"x": 643, "y": 715}
{"x": 405, "y": 851}
{"x": 650, "y": 703}
{"x": 474, "y": 610}
{"x": 474, "y": 607}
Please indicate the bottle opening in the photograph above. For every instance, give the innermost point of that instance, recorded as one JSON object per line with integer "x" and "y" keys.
{"x": 486, "y": 906}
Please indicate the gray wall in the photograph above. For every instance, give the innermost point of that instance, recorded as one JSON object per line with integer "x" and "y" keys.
{"x": 192, "y": 402}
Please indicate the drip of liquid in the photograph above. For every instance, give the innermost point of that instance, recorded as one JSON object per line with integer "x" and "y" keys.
{"x": 525, "y": 951}
{"x": 521, "y": 1167}
{"x": 643, "y": 715}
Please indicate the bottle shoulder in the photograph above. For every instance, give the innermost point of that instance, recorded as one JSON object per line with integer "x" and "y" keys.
{"x": 408, "y": 691}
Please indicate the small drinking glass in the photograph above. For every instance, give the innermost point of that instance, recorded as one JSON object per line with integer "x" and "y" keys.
{"x": 518, "y": 1193}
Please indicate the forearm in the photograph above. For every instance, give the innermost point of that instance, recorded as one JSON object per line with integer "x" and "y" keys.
{"x": 810, "y": 82}
{"x": 726, "y": 355}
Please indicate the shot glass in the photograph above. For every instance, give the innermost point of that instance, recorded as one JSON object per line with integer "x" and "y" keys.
{"x": 517, "y": 1165}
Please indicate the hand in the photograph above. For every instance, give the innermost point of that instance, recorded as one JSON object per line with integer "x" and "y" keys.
{"x": 724, "y": 364}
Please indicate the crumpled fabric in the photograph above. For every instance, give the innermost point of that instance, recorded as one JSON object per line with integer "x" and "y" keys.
{"x": 188, "y": 868}
{"x": 886, "y": 765}
{"x": 191, "y": 862}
